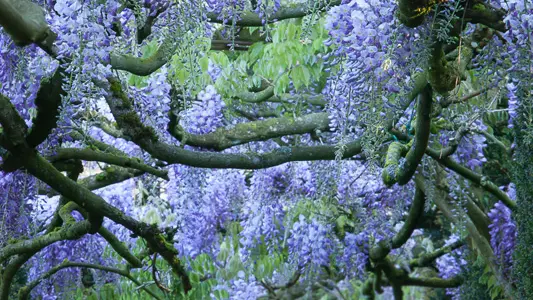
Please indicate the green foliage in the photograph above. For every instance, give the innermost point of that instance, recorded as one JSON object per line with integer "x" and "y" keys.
{"x": 285, "y": 59}
{"x": 479, "y": 282}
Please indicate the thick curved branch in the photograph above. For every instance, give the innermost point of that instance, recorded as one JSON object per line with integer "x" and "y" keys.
{"x": 108, "y": 177}
{"x": 257, "y": 97}
{"x": 415, "y": 213}
{"x": 284, "y": 13}
{"x": 411, "y": 12}
{"x": 434, "y": 282}
{"x": 239, "y": 134}
{"x": 444, "y": 76}
{"x": 426, "y": 259}
{"x": 480, "y": 180}
{"x": 91, "y": 155}
{"x": 144, "y": 66}
{"x": 47, "y": 102}
{"x": 25, "y": 22}
{"x": 24, "y": 292}
{"x": 419, "y": 84}
{"x": 8, "y": 273}
{"x": 400, "y": 170}
{"x": 145, "y": 137}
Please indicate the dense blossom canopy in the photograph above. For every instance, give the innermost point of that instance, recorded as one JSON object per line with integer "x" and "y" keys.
{"x": 262, "y": 149}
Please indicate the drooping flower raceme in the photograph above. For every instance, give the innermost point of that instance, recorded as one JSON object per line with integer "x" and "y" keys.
{"x": 503, "y": 235}
{"x": 206, "y": 115}
{"x": 452, "y": 264}
{"x": 355, "y": 254}
{"x": 310, "y": 242}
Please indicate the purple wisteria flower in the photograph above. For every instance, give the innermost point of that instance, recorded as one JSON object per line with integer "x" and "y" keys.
{"x": 310, "y": 243}
{"x": 206, "y": 115}
{"x": 503, "y": 235}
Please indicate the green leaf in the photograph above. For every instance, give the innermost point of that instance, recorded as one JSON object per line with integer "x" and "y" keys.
{"x": 182, "y": 76}
{"x": 235, "y": 265}
{"x": 204, "y": 63}
{"x": 483, "y": 279}
{"x": 495, "y": 292}
{"x": 291, "y": 32}
{"x": 255, "y": 51}
{"x": 224, "y": 252}
{"x": 300, "y": 76}
{"x": 221, "y": 294}
{"x": 492, "y": 281}
{"x": 281, "y": 84}
{"x": 307, "y": 75}
{"x": 149, "y": 49}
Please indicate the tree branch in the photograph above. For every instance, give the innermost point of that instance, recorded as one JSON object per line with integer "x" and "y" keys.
{"x": 453, "y": 214}
{"x": 434, "y": 282}
{"x": 258, "y": 97}
{"x": 446, "y": 102}
{"x": 484, "y": 13}
{"x": 480, "y": 180}
{"x": 120, "y": 247}
{"x": 415, "y": 214}
{"x": 284, "y": 13}
{"x": 24, "y": 292}
{"x": 317, "y": 100}
{"x": 108, "y": 177}
{"x": 492, "y": 139}
{"x": 410, "y": 12}
{"x": 428, "y": 258}
{"x": 401, "y": 172}
{"x": 91, "y": 155}
{"x": 71, "y": 230}
{"x": 25, "y": 22}
{"x": 145, "y": 66}
{"x": 129, "y": 122}
{"x": 444, "y": 76}
{"x": 239, "y": 134}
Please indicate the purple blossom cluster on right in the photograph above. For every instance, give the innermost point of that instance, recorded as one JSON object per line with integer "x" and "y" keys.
{"x": 502, "y": 236}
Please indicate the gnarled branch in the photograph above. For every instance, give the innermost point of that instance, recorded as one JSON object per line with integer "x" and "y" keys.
{"x": 92, "y": 155}
{"x": 24, "y": 292}
{"x": 480, "y": 180}
{"x": 400, "y": 169}
{"x": 284, "y": 13}
{"x": 144, "y": 136}
{"x": 239, "y": 134}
